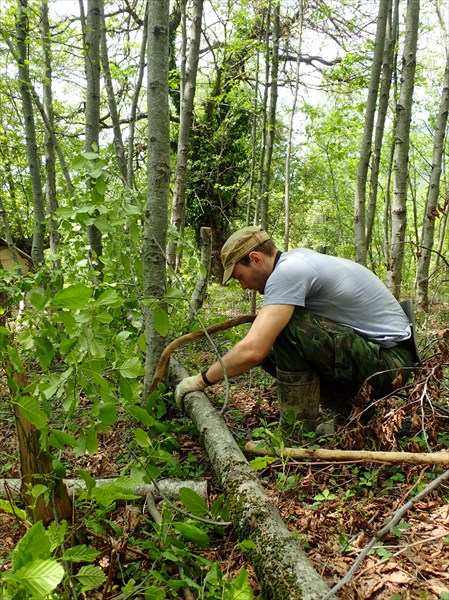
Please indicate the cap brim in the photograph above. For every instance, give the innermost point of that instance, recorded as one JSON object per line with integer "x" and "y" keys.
{"x": 228, "y": 273}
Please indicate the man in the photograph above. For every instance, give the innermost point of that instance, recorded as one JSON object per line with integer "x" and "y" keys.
{"x": 327, "y": 325}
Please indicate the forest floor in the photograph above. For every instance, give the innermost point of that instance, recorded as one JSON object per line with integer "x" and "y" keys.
{"x": 334, "y": 508}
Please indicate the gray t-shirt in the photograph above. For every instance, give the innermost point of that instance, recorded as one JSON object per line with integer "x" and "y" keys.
{"x": 340, "y": 290}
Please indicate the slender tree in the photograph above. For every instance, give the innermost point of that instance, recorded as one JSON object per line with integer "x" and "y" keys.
{"x": 433, "y": 195}
{"x": 365, "y": 152}
{"x": 401, "y": 149}
{"x": 188, "y": 86}
{"x": 92, "y": 28}
{"x": 389, "y": 61}
{"x": 158, "y": 169}
{"x": 34, "y": 163}
{"x": 50, "y": 155}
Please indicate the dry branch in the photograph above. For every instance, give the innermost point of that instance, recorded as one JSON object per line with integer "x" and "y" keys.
{"x": 281, "y": 565}
{"x": 411, "y": 458}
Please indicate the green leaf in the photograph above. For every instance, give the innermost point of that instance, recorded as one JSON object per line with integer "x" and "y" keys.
{"x": 161, "y": 321}
{"x": 40, "y": 577}
{"x": 141, "y": 415}
{"x": 154, "y": 593}
{"x": 193, "y": 502}
{"x": 109, "y": 298}
{"x": 31, "y": 410}
{"x": 239, "y": 588}
{"x": 192, "y": 533}
{"x": 56, "y": 534}
{"x": 91, "y": 441}
{"x": 59, "y": 439}
{"x": 80, "y": 553}
{"x": 132, "y": 368}
{"x": 90, "y": 577}
{"x": 35, "y": 545}
{"x": 142, "y": 438}
{"x": 12, "y": 509}
{"x": 73, "y": 297}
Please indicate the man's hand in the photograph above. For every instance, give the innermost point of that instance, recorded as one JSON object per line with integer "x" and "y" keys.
{"x": 189, "y": 384}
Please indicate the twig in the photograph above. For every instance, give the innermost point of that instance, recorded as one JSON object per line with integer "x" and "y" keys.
{"x": 385, "y": 529}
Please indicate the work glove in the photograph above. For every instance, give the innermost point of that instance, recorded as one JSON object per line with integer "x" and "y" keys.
{"x": 189, "y": 384}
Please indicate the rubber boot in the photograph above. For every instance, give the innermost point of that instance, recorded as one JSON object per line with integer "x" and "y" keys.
{"x": 299, "y": 400}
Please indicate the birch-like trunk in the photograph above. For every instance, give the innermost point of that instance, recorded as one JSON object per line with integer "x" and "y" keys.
{"x": 158, "y": 171}
{"x": 433, "y": 193}
{"x": 403, "y": 114}
{"x": 389, "y": 60}
{"x": 185, "y": 124}
{"x": 118, "y": 138}
{"x": 50, "y": 155}
{"x": 271, "y": 125}
{"x": 34, "y": 163}
{"x": 92, "y": 125}
{"x": 368, "y": 127}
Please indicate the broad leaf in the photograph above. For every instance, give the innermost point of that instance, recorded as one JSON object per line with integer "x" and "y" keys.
{"x": 74, "y": 296}
{"x": 192, "y": 533}
{"x": 80, "y": 553}
{"x": 193, "y": 502}
{"x": 132, "y": 368}
{"x": 90, "y": 577}
{"x": 40, "y": 577}
{"x": 109, "y": 298}
{"x": 161, "y": 321}
{"x": 31, "y": 410}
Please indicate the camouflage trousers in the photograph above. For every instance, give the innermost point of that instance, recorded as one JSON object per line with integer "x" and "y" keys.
{"x": 343, "y": 359}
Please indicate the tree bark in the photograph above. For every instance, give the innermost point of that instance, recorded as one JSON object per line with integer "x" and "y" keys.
{"x": 365, "y": 153}
{"x": 390, "y": 57}
{"x": 199, "y": 293}
{"x": 279, "y": 561}
{"x": 402, "y": 144}
{"x": 50, "y": 162}
{"x": 118, "y": 138}
{"x": 433, "y": 193}
{"x": 92, "y": 126}
{"x": 186, "y": 117}
{"x": 158, "y": 173}
{"x": 34, "y": 164}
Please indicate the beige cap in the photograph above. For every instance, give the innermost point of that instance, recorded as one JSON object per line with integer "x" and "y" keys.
{"x": 238, "y": 245}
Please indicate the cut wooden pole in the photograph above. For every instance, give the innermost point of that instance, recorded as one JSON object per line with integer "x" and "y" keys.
{"x": 169, "y": 488}
{"x": 280, "y": 563}
{"x": 411, "y": 458}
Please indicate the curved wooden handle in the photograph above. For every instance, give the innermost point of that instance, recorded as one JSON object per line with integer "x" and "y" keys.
{"x": 189, "y": 337}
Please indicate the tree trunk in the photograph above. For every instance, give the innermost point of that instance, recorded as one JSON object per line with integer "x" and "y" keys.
{"x": 290, "y": 132}
{"x": 365, "y": 153}
{"x": 279, "y": 561}
{"x": 431, "y": 211}
{"x": 36, "y": 465}
{"x": 271, "y": 125}
{"x": 155, "y": 234}
{"x": 92, "y": 67}
{"x": 50, "y": 162}
{"x": 402, "y": 143}
{"x": 199, "y": 293}
{"x": 186, "y": 117}
{"x": 389, "y": 60}
{"x": 34, "y": 165}
{"x": 118, "y": 139}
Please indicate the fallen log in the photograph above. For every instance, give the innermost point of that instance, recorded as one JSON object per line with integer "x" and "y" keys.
{"x": 169, "y": 488}
{"x": 280, "y": 563}
{"x": 411, "y": 458}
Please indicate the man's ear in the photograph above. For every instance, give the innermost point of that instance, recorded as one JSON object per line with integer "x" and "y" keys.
{"x": 255, "y": 257}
